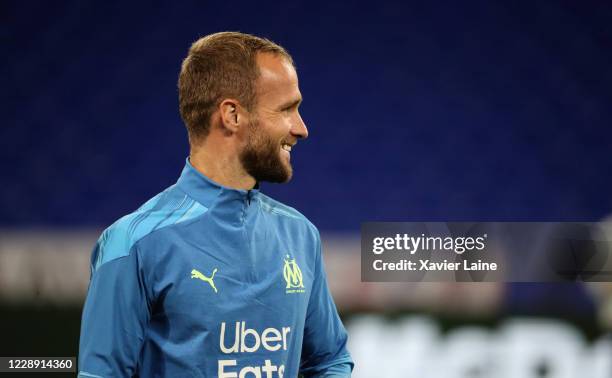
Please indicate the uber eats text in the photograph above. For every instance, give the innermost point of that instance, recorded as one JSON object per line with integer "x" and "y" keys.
{"x": 247, "y": 340}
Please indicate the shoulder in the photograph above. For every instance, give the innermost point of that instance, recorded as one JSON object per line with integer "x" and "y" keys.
{"x": 170, "y": 207}
{"x": 280, "y": 209}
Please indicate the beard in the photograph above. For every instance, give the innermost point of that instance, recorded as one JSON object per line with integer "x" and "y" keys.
{"x": 261, "y": 157}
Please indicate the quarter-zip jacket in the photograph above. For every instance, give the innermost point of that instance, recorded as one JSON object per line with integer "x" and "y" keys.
{"x": 208, "y": 281}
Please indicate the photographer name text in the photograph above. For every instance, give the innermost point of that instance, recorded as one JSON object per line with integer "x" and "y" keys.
{"x": 412, "y": 245}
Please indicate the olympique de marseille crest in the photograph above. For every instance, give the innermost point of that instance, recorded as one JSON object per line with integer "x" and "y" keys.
{"x": 293, "y": 276}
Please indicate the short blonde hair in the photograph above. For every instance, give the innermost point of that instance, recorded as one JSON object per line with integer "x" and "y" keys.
{"x": 219, "y": 66}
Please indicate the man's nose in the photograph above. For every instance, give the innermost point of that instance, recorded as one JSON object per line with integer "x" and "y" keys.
{"x": 298, "y": 129}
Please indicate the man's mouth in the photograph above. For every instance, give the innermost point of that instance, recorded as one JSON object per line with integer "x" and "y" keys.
{"x": 286, "y": 147}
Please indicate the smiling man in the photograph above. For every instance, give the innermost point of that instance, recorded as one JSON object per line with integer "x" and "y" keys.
{"x": 212, "y": 278}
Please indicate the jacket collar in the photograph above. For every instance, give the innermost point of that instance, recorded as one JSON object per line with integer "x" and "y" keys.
{"x": 205, "y": 191}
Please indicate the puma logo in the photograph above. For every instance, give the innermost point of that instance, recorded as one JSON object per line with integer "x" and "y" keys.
{"x": 198, "y": 274}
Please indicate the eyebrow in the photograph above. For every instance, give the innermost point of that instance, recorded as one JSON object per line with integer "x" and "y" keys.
{"x": 291, "y": 104}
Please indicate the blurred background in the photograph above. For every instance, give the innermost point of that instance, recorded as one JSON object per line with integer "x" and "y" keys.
{"x": 434, "y": 111}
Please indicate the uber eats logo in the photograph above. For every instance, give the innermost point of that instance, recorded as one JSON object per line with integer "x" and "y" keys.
{"x": 293, "y": 276}
{"x": 244, "y": 340}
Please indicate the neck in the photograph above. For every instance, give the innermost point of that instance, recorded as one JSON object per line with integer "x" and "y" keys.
{"x": 218, "y": 160}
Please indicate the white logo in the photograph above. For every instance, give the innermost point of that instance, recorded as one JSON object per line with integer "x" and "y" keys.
{"x": 247, "y": 340}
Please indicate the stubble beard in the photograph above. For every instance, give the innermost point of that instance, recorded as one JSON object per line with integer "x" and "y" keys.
{"x": 261, "y": 158}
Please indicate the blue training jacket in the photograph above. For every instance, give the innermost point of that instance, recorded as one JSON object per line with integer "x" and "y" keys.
{"x": 208, "y": 281}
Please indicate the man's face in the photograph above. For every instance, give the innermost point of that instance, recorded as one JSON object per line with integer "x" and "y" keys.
{"x": 275, "y": 124}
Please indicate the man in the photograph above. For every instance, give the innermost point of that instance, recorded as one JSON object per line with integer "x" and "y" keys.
{"x": 211, "y": 278}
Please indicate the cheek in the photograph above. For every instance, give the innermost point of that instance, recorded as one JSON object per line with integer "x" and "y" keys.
{"x": 286, "y": 123}
{"x": 279, "y": 128}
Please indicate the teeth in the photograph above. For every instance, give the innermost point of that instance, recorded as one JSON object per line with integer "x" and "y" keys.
{"x": 286, "y": 147}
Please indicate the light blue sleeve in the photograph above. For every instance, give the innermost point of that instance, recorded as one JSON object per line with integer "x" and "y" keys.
{"x": 115, "y": 317}
{"x": 324, "y": 353}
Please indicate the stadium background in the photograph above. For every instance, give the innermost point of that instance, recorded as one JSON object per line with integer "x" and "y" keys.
{"x": 417, "y": 111}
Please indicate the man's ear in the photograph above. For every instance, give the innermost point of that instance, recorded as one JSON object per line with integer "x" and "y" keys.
{"x": 232, "y": 115}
